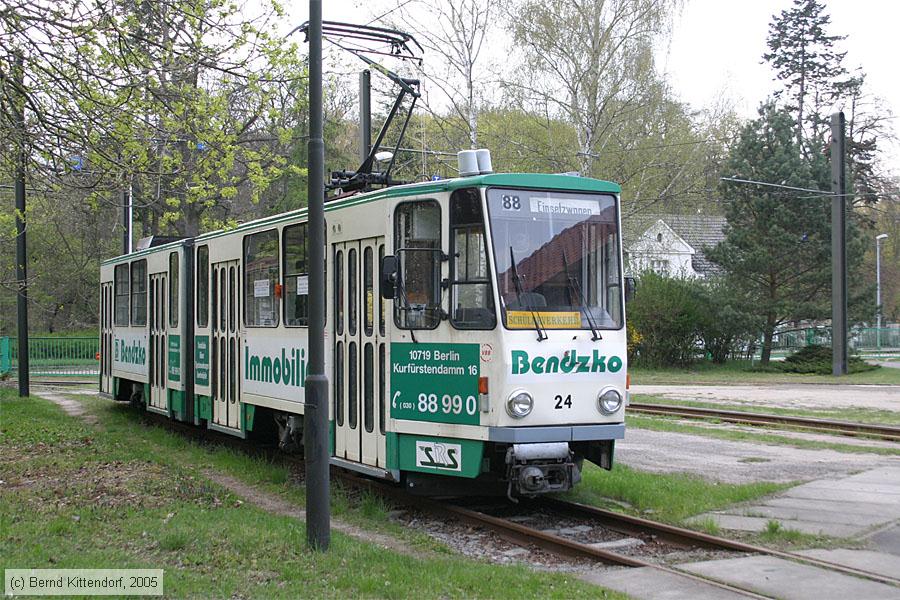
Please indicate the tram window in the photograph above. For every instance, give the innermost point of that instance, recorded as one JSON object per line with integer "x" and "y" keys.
{"x": 381, "y": 382}
{"x": 380, "y": 299}
{"x": 339, "y": 292}
{"x": 339, "y": 383}
{"x": 369, "y": 388}
{"x": 232, "y": 309}
{"x": 139, "y": 293}
{"x": 203, "y": 286}
{"x": 173, "y": 289}
{"x": 352, "y": 303}
{"x": 260, "y": 277}
{"x": 122, "y": 295}
{"x": 296, "y": 276}
{"x": 368, "y": 291}
{"x": 417, "y": 238}
{"x": 471, "y": 298}
{"x": 352, "y": 390}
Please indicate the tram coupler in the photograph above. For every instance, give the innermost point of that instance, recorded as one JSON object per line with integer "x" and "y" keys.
{"x": 290, "y": 433}
{"x": 540, "y": 468}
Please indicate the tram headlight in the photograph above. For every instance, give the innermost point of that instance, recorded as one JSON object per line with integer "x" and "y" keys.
{"x": 519, "y": 404}
{"x": 609, "y": 401}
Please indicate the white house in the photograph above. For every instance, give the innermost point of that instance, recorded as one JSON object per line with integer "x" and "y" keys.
{"x": 672, "y": 245}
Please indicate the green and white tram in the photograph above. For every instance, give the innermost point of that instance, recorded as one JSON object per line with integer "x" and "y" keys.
{"x": 476, "y": 330}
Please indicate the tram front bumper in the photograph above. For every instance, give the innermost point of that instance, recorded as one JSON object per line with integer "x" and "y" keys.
{"x": 566, "y": 433}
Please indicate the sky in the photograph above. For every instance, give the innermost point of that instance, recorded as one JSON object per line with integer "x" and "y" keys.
{"x": 716, "y": 47}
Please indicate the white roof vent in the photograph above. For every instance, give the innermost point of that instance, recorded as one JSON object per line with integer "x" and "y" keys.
{"x": 467, "y": 161}
{"x": 484, "y": 161}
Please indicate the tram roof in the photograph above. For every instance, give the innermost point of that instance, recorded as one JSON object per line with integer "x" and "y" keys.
{"x": 568, "y": 183}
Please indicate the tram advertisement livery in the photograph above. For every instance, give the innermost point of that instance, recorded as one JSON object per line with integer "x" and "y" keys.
{"x": 435, "y": 382}
{"x": 130, "y": 352}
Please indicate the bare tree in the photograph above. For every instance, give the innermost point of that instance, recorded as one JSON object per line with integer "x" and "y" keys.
{"x": 454, "y": 34}
{"x": 589, "y": 61}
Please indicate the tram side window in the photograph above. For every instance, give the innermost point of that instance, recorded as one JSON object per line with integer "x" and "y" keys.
{"x": 122, "y": 295}
{"x": 417, "y": 238}
{"x": 139, "y": 293}
{"x": 471, "y": 298}
{"x": 260, "y": 276}
{"x": 296, "y": 276}
{"x": 202, "y": 286}
{"x": 173, "y": 290}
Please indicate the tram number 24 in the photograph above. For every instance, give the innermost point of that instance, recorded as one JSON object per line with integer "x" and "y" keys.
{"x": 428, "y": 403}
{"x": 562, "y": 403}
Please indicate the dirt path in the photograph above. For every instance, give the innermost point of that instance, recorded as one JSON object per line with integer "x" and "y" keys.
{"x": 264, "y": 500}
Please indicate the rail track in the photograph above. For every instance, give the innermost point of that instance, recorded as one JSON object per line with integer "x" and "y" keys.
{"x": 526, "y": 536}
{"x": 886, "y": 432}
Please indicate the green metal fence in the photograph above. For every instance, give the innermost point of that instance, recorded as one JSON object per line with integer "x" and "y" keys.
{"x": 868, "y": 342}
{"x": 51, "y": 356}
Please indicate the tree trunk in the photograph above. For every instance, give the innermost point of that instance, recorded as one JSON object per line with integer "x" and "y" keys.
{"x": 768, "y": 334}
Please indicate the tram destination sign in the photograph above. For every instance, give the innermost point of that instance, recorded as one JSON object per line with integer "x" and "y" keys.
{"x": 435, "y": 382}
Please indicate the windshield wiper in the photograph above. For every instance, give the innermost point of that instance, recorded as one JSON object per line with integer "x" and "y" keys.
{"x": 574, "y": 286}
{"x": 405, "y": 305}
{"x": 517, "y": 282}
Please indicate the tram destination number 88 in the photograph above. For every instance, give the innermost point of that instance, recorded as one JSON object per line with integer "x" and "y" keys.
{"x": 510, "y": 202}
{"x": 428, "y": 403}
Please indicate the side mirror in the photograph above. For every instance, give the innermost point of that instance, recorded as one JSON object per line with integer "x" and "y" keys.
{"x": 630, "y": 287}
{"x": 389, "y": 269}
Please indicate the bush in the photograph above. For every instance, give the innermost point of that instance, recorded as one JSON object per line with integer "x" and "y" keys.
{"x": 817, "y": 359}
{"x": 666, "y": 313}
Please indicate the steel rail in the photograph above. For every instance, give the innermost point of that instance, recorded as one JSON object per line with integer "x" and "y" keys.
{"x": 521, "y": 534}
{"x": 887, "y": 432}
{"x": 679, "y": 535}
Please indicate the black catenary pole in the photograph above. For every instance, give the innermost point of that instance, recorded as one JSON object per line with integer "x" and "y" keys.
{"x": 21, "y": 256}
{"x": 315, "y": 418}
{"x": 838, "y": 248}
{"x": 365, "y": 114}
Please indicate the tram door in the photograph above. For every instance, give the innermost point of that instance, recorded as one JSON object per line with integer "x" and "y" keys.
{"x": 226, "y": 317}
{"x": 106, "y": 318}
{"x": 159, "y": 297}
{"x": 359, "y": 352}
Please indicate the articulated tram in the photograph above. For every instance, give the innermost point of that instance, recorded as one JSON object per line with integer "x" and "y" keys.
{"x": 475, "y": 331}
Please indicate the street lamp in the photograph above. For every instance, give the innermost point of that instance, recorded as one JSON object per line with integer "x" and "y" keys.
{"x": 878, "y": 239}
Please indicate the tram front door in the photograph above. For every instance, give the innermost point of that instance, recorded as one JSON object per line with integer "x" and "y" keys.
{"x": 226, "y": 347}
{"x": 359, "y": 352}
{"x": 106, "y": 334}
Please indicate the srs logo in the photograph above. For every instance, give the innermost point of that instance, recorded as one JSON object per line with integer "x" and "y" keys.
{"x": 437, "y": 455}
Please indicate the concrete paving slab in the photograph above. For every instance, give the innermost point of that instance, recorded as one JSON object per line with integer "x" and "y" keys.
{"x": 887, "y": 540}
{"x": 740, "y": 523}
{"x": 844, "y": 496}
{"x": 866, "y": 560}
{"x": 862, "y": 508}
{"x": 805, "y": 514}
{"x": 884, "y": 488}
{"x": 887, "y": 473}
{"x": 652, "y": 584}
{"x": 790, "y": 580}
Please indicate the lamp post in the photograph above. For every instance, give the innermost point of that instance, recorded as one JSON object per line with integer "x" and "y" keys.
{"x": 878, "y": 239}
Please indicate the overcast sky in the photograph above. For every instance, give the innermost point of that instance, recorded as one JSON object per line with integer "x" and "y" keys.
{"x": 717, "y": 45}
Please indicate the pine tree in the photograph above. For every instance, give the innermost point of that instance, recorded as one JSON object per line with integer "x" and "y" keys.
{"x": 776, "y": 250}
{"x": 805, "y": 60}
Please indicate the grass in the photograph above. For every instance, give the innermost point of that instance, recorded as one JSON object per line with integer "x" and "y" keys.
{"x": 858, "y": 415}
{"x": 659, "y": 423}
{"x": 669, "y": 497}
{"x": 738, "y": 372}
{"x": 124, "y": 495}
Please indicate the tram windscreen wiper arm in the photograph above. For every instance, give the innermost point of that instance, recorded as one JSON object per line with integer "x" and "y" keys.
{"x": 574, "y": 286}
{"x": 517, "y": 283}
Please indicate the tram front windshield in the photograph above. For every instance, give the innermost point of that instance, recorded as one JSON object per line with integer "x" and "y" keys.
{"x": 557, "y": 259}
